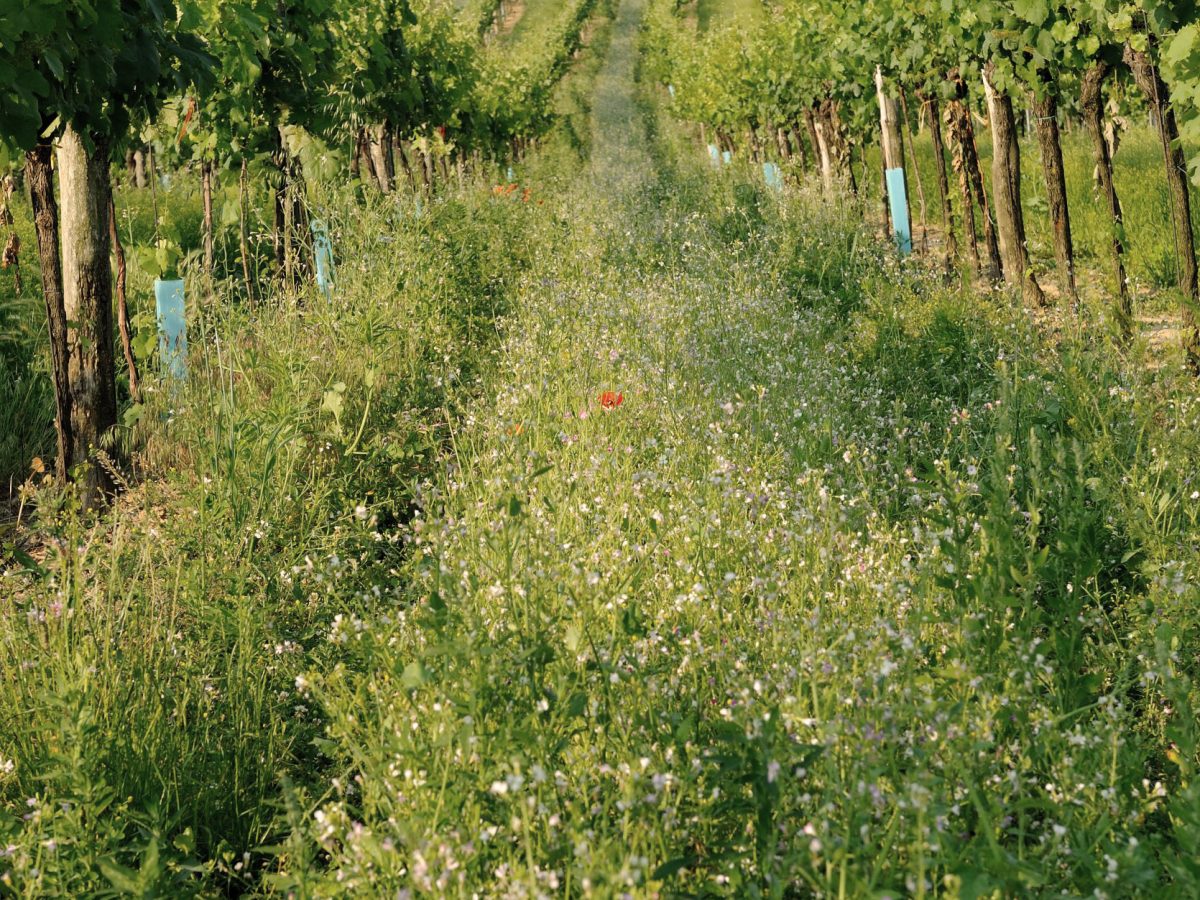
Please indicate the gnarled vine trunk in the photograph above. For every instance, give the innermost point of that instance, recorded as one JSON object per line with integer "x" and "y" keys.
{"x": 380, "y": 144}
{"x": 962, "y": 146}
{"x": 87, "y": 303}
{"x": 910, "y": 147}
{"x": 39, "y": 174}
{"x": 966, "y": 163}
{"x": 291, "y": 216}
{"x": 1006, "y": 189}
{"x": 943, "y": 181}
{"x": 1091, "y": 100}
{"x": 206, "y": 178}
{"x": 810, "y": 125}
{"x": 1158, "y": 96}
{"x": 837, "y": 143}
{"x": 243, "y": 228}
{"x": 118, "y": 248}
{"x": 824, "y": 154}
{"x": 799, "y": 149}
{"x": 781, "y": 144}
{"x": 1045, "y": 112}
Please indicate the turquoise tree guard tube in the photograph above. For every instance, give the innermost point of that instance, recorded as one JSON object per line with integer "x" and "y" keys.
{"x": 323, "y": 251}
{"x": 714, "y": 156}
{"x": 772, "y": 176}
{"x": 898, "y": 201}
{"x": 172, "y": 326}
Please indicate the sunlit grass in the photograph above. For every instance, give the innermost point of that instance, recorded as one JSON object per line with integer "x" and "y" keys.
{"x": 711, "y": 13}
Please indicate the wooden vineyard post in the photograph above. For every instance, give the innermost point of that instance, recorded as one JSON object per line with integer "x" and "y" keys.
{"x": 893, "y": 162}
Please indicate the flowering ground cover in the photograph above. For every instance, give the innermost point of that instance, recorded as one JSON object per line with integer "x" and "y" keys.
{"x": 721, "y": 555}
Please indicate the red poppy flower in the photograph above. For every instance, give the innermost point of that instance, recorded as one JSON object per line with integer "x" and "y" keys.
{"x": 611, "y": 400}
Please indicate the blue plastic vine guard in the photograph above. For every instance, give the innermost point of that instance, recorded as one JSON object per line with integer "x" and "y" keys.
{"x": 726, "y": 157}
{"x": 714, "y": 155}
{"x": 172, "y": 326}
{"x": 323, "y": 251}
{"x": 898, "y": 202}
{"x": 671, "y": 90}
{"x": 773, "y": 176}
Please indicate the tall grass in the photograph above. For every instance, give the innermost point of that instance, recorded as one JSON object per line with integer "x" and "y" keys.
{"x": 154, "y": 719}
{"x": 148, "y": 690}
{"x": 861, "y": 588}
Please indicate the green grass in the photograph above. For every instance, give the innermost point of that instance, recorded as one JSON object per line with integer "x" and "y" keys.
{"x": 538, "y": 15}
{"x": 863, "y": 589}
{"x": 712, "y": 13}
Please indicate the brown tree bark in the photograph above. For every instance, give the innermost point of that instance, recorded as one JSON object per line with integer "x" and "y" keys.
{"x": 118, "y": 248}
{"x": 752, "y": 141}
{"x": 943, "y": 181}
{"x": 839, "y": 145}
{"x": 911, "y": 148}
{"x": 152, "y": 180}
{"x": 206, "y": 176}
{"x": 378, "y": 143}
{"x": 87, "y": 302}
{"x": 280, "y": 223}
{"x": 39, "y": 174}
{"x": 291, "y": 217}
{"x": 810, "y": 125}
{"x": 1006, "y": 188}
{"x": 799, "y": 149}
{"x": 782, "y": 145}
{"x": 243, "y": 235}
{"x": 1092, "y": 102}
{"x": 992, "y": 266}
{"x": 1148, "y": 79}
{"x": 821, "y": 141}
{"x": 962, "y": 144}
{"x": 404, "y": 161}
{"x": 387, "y": 145}
{"x": 365, "y": 166}
{"x": 427, "y": 165}
{"x": 1045, "y": 112}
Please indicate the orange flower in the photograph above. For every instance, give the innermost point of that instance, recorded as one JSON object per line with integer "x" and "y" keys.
{"x": 611, "y": 400}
